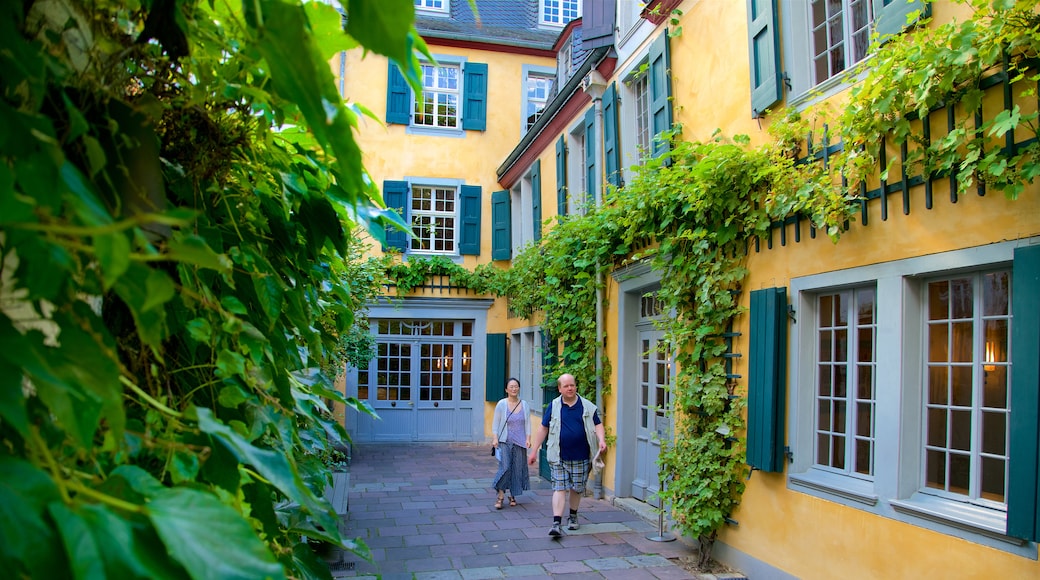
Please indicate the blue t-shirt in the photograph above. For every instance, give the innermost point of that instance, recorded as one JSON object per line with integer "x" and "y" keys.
{"x": 573, "y": 444}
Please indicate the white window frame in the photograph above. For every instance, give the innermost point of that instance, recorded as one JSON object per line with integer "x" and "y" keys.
{"x": 443, "y": 60}
{"x": 529, "y": 72}
{"x": 576, "y": 186}
{"x": 440, "y": 73}
{"x": 438, "y": 7}
{"x": 897, "y": 489}
{"x": 563, "y": 63}
{"x": 521, "y": 214}
{"x": 525, "y": 363}
{"x": 438, "y": 183}
{"x": 796, "y": 28}
{"x": 557, "y": 13}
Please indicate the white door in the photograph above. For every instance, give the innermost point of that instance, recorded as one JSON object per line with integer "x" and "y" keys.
{"x": 654, "y": 411}
{"x": 419, "y": 383}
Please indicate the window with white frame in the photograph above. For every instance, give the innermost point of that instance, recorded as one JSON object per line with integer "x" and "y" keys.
{"x": 537, "y": 95}
{"x": 966, "y": 386}
{"x": 432, "y": 5}
{"x": 629, "y": 14}
{"x": 558, "y": 12}
{"x": 438, "y": 105}
{"x": 846, "y": 334}
{"x": 840, "y": 35}
{"x": 576, "y": 177}
{"x": 525, "y": 363}
{"x": 900, "y": 392}
{"x": 640, "y": 88}
{"x": 563, "y": 63}
{"x": 434, "y": 213}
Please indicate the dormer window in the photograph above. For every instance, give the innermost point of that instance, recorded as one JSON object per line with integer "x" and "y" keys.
{"x": 558, "y": 12}
{"x": 436, "y": 6}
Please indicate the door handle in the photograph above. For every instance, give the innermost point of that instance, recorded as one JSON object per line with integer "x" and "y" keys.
{"x": 393, "y": 403}
{"x": 436, "y": 404}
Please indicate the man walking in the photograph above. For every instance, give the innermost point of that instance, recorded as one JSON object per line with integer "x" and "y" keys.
{"x": 575, "y": 435}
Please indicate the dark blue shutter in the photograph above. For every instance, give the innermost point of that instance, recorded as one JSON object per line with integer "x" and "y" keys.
{"x": 398, "y": 97}
{"x": 764, "y": 49}
{"x": 660, "y": 87}
{"x": 469, "y": 210}
{"x": 767, "y": 376}
{"x": 501, "y": 232}
{"x": 474, "y": 87}
{"x": 590, "y": 155}
{"x": 395, "y": 194}
{"x": 611, "y": 151}
{"x": 536, "y": 199}
{"x": 495, "y": 381}
{"x": 561, "y": 176}
{"x": 890, "y": 15}
{"x": 597, "y": 24}
{"x": 1023, "y": 501}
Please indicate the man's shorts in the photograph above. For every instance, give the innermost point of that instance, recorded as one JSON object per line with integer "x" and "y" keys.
{"x": 569, "y": 475}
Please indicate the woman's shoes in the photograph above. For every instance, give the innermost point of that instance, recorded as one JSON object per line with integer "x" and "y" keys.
{"x": 512, "y": 501}
{"x": 498, "y": 503}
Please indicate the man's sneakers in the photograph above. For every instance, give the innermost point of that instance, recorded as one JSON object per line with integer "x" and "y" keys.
{"x": 555, "y": 530}
{"x": 572, "y": 522}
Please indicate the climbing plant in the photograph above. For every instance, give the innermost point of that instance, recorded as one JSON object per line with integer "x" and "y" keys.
{"x": 178, "y": 184}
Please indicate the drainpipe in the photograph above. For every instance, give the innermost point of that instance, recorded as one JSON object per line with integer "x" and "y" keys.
{"x": 594, "y": 85}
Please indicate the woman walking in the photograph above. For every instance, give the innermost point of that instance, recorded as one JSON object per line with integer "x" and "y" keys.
{"x": 511, "y": 437}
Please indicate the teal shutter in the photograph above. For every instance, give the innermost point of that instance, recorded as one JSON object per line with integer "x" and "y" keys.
{"x": 398, "y": 97}
{"x": 536, "y": 199}
{"x": 549, "y": 360}
{"x": 660, "y": 87}
{"x": 501, "y": 222}
{"x": 767, "y": 375}
{"x": 590, "y": 154}
{"x": 561, "y": 176}
{"x": 469, "y": 210}
{"x": 1023, "y": 501}
{"x": 611, "y": 151}
{"x": 495, "y": 382}
{"x": 764, "y": 49}
{"x": 474, "y": 87}
{"x": 890, "y": 15}
{"x": 395, "y": 194}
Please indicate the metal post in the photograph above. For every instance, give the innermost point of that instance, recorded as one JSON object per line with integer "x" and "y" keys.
{"x": 661, "y": 536}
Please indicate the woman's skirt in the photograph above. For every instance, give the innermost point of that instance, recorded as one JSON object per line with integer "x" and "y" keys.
{"x": 512, "y": 469}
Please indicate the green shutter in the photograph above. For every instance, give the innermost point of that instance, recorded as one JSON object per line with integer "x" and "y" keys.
{"x": 536, "y": 199}
{"x": 767, "y": 375}
{"x": 890, "y": 16}
{"x": 395, "y": 194}
{"x": 469, "y": 210}
{"x": 549, "y": 360}
{"x": 590, "y": 154}
{"x": 764, "y": 49}
{"x": 474, "y": 86}
{"x": 561, "y": 176}
{"x": 611, "y": 151}
{"x": 501, "y": 223}
{"x": 398, "y": 97}
{"x": 1023, "y": 501}
{"x": 660, "y": 87}
{"x": 495, "y": 382}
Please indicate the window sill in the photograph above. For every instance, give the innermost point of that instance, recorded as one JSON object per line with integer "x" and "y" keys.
{"x": 434, "y": 131}
{"x": 967, "y": 517}
{"x": 849, "y": 488}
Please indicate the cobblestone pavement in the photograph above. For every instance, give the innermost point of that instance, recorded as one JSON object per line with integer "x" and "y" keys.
{"x": 426, "y": 511}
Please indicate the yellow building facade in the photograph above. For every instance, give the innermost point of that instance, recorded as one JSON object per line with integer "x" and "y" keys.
{"x": 904, "y": 470}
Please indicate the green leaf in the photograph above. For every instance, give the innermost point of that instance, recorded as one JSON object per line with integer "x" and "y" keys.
{"x": 128, "y": 548}
{"x": 327, "y": 29}
{"x": 200, "y": 330}
{"x": 382, "y": 28}
{"x": 230, "y": 364}
{"x": 192, "y": 249}
{"x": 113, "y": 254}
{"x": 27, "y": 542}
{"x": 84, "y": 200}
{"x": 83, "y": 551}
{"x": 269, "y": 293}
{"x": 211, "y": 540}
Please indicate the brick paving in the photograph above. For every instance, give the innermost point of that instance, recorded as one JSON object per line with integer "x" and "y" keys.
{"x": 426, "y": 511}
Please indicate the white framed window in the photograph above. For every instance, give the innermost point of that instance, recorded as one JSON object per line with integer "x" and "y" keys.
{"x": 899, "y": 393}
{"x": 967, "y": 326}
{"x": 434, "y": 213}
{"x": 558, "y": 12}
{"x": 629, "y": 14}
{"x": 537, "y": 96}
{"x": 640, "y": 89}
{"x": 846, "y": 333}
{"x": 577, "y": 185}
{"x": 438, "y": 105}
{"x": 435, "y": 6}
{"x": 563, "y": 63}
{"x": 525, "y": 363}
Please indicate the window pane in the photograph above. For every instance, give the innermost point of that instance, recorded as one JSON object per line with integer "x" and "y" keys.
{"x": 938, "y": 342}
{"x": 824, "y": 389}
{"x": 962, "y": 298}
{"x": 864, "y": 457}
{"x": 938, "y": 389}
{"x": 935, "y": 469}
{"x": 994, "y": 433}
{"x": 865, "y": 419}
{"x": 937, "y": 427}
{"x": 962, "y": 342}
{"x": 938, "y": 300}
{"x": 994, "y": 388}
{"x": 840, "y": 381}
{"x": 823, "y": 449}
{"x": 841, "y": 345}
{"x": 839, "y": 418}
{"x": 839, "y": 453}
{"x": 960, "y": 473}
{"x": 960, "y": 430}
{"x": 994, "y": 479}
{"x": 865, "y": 382}
{"x": 826, "y": 353}
{"x": 961, "y": 386}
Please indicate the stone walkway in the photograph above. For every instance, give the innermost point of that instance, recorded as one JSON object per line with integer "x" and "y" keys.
{"x": 426, "y": 511}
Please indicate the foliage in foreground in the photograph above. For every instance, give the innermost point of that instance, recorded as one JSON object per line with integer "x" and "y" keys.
{"x": 178, "y": 187}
